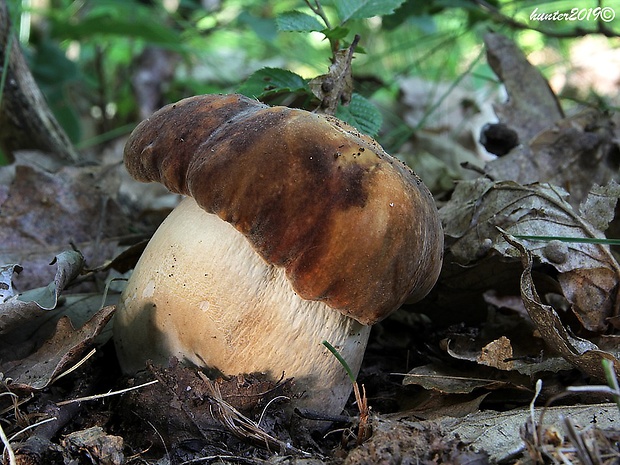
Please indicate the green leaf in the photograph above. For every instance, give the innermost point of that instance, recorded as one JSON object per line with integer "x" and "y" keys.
{"x": 115, "y": 18}
{"x": 298, "y": 22}
{"x": 265, "y": 28}
{"x": 336, "y": 33}
{"x": 361, "y": 114}
{"x": 360, "y": 9}
{"x": 267, "y": 81}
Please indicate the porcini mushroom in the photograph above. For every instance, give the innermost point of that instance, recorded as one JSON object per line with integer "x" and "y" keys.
{"x": 296, "y": 229}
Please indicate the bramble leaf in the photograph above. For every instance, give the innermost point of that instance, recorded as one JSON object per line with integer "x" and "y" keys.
{"x": 297, "y": 21}
{"x": 360, "y": 9}
{"x": 268, "y": 81}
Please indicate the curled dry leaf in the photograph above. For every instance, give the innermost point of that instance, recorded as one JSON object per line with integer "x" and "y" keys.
{"x": 69, "y": 265}
{"x": 57, "y": 354}
{"x": 337, "y": 85}
{"x": 18, "y": 309}
{"x": 589, "y": 273}
{"x": 581, "y": 353}
{"x": 532, "y": 105}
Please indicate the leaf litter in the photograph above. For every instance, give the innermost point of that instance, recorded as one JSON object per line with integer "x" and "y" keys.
{"x": 451, "y": 386}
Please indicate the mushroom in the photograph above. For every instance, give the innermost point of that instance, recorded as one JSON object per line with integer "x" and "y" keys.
{"x": 296, "y": 229}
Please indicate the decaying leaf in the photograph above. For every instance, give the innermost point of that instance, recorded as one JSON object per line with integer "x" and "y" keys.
{"x": 599, "y": 207}
{"x": 6, "y": 282}
{"x": 449, "y": 380}
{"x": 63, "y": 349}
{"x": 45, "y": 212}
{"x": 513, "y": 334}
{"x": 478, "y": 208}
{"x": 18, "y": 309}
{"x": 532, "y": 105}
{"x": 69, "y": 265}
{"x": 98, "y": 446}
{"x": 497, "y": 433}
{"x": 337, "y": 85}
{"x": 575, "y": 153}
{"x": 497, "y": 354}
{"x": 582, "y": 353}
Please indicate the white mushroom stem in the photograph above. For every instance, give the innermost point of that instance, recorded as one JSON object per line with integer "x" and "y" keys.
{"x": 202, "y": 294}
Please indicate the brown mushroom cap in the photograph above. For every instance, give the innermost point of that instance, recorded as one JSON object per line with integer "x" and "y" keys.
{"x": 351, "y": 225}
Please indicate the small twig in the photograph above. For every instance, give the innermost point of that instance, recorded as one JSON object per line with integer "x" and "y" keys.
{"x": 34, "y": 425}
{"x": 318, "y": 10}
{"x": 262, "y": 415}
{"x": 108, "y": 394}
{"x": 7, "y": 447}
{"x": 76, "y": 366}
{"x": 237, "y": 459}
{"x": 576, "y": 438}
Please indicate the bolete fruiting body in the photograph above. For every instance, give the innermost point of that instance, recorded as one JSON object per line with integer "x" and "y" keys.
{"x": 296, "y": 229}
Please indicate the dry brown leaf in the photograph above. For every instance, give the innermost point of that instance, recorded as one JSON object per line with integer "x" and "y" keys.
{"x": 575, "y": 153}
{"x": 497, "y": 354}
{"x": 38, "y": 325}
{"x": 336, "y": 86}
{"x": 478, "y": 208}
{"x": 434, "y": 405}
{"x": 581, "y": 353}
{"x": 18, "y": 309}
{"x": 593, "y": 294}
{"x": 45, "y": 212}
{"x": 532, "y": 105}
{"x": 94, "y": 443}
{"x": 450, "y": 380}
{"x": 530, "y": 355}
{"x": 63, "y": 349}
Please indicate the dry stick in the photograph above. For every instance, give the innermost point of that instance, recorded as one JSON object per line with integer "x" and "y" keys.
{"x": 25, "y": 117}
{"x": 108, "y": 394}
{"x": 240, "y": 425}
{"x": 7, "y": 447}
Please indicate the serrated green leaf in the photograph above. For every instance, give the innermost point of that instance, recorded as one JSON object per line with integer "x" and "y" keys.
{"x": 297, "y": 21}
{"x": 268, "y": 81}
{"x": 361, "y": 114}
{"x": 360, "y": 9}
{"x": 116, "y": 18}
{"x": 336, "y": 33}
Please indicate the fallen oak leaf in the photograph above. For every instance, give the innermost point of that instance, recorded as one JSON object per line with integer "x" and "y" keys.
{"x": 576, "y": 153}
{"x": 70, "y": 264}
{"x": 531, "y": 105}
{"x": 63, "y": 349}
{"x": 18, "y": 309}
{"x": 479, "y": 207}
{"x": 449, "y": 380}
{"x": 581, "y": 353}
